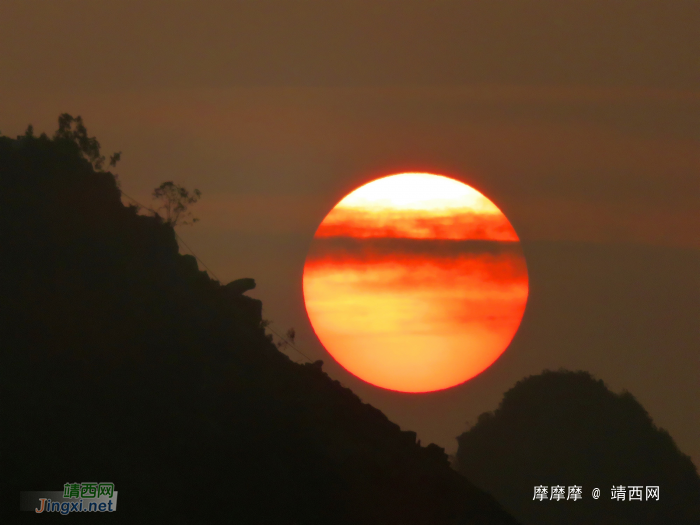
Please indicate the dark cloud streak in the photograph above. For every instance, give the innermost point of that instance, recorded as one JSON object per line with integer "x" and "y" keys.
{"x": 358, "y": 249}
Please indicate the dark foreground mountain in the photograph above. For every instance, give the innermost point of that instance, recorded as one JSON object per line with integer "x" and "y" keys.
{"x": 567, "y": 429}
{"x": 121, "y": 362}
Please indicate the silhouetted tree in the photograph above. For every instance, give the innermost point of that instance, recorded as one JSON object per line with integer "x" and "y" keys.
{"x": 73, "y": 129}
{"x": 287, "y": 340}
{"x": 175, "y": 200}
{"x": 566, "y": 428}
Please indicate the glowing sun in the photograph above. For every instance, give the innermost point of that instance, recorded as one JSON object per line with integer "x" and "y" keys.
{"x": 415, "y": 282}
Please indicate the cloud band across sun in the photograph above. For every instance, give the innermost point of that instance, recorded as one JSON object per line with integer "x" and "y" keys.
{"x": 415, "y": 282}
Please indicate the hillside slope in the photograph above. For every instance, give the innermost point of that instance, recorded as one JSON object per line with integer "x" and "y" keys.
{"x": 566, "y": 428}
{"x": 121, "y": 361}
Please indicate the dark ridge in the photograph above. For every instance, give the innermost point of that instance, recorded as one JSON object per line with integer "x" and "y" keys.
{"x": 120, "y": 361}
{"x": 566, "y": 428}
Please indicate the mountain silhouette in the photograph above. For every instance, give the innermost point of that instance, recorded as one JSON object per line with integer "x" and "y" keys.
{"x": 122, "y": 362}
{"x": 567, "y": 429}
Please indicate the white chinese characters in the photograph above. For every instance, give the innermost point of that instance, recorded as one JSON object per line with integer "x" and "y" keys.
{"x": 557, "y": 493}
{"x": 575, "y": 492}
{"x": 634, "y": 493}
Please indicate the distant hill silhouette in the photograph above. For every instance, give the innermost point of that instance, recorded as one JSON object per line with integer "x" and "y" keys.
{"x": 121, "y": 361}
{"x": 566, "y": 428}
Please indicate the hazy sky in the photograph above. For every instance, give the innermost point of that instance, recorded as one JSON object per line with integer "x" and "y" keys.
{"x": 579, "y": 119}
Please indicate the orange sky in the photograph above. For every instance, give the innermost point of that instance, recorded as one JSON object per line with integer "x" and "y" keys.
{"x": 415, "y": 282}
{"x": 589, "y": 146}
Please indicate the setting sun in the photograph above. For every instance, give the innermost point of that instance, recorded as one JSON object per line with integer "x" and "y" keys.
{"x": 415, "y": 282}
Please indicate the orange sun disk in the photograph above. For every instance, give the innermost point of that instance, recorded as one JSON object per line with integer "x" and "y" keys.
{"x": 415, "y": 282}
